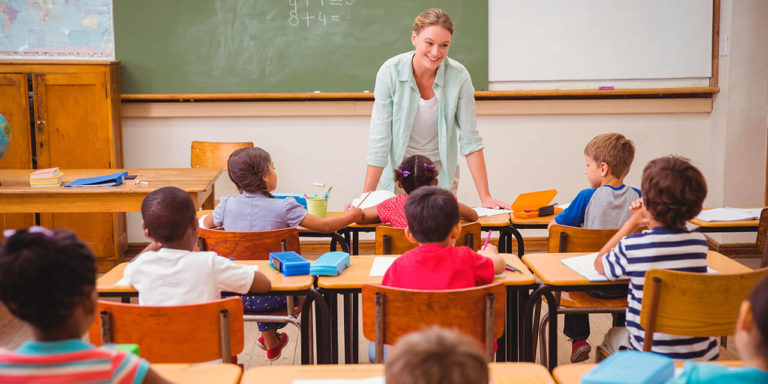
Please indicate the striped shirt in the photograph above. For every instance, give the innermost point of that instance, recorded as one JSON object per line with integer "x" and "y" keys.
{"x": 69, "y": 361}
{"x": 659, "y": 248}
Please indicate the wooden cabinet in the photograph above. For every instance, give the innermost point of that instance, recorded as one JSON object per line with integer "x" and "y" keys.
{"x": 67, "y": 115}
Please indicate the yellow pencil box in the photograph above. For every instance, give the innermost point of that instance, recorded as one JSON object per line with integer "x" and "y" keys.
{"x": 535, "y": 204}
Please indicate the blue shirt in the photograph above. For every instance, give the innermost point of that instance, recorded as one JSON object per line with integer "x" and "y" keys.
{"x": 709, "y": 373}
{"x": 394, "y": 110}
{"x": 256, "y": 212}
{"x": 605, "y": 207}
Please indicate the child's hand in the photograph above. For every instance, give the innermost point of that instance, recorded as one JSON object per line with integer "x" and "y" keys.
{"x": 490, "y": 249}
{"x": 356, "y": 214}
{"x": 635, "y": 205}
{"x": 640, "y": 217}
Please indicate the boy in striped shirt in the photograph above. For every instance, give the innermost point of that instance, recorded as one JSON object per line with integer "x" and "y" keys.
{"x": 48, "y": 279}
{"x": 673, "y": 193}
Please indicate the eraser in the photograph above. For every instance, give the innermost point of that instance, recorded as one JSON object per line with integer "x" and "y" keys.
{"x": 606, "y": 88}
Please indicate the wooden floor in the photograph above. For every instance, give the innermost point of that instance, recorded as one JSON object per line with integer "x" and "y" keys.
{"x": 13, "y": 332}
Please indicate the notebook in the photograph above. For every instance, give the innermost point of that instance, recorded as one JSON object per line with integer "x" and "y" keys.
{"x": 585, "y": 266}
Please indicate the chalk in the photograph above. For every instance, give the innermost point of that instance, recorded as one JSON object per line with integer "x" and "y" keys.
{"x": 606, "y": 88}
{"x": 317, "y": 91}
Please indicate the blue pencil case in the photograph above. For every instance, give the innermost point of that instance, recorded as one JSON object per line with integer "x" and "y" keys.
{"x": 633, "y": 367}
{"x": 330, "y": 264}
{"x": 289, "y": 263}
{"x": 296, "y": 196}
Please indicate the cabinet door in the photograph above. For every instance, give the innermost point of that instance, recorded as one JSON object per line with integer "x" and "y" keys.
{"x": 14, "y": 106}
{"x": 74, "y": 132}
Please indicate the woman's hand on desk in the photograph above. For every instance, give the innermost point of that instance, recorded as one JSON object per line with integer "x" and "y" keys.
{"x": 489, "y": 202}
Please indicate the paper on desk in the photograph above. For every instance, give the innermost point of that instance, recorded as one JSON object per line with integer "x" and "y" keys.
{"x": 485, "y": 212}
{"x": 729, "y": 214}
{"x": 367, "y": 380}
{"x": 585, "y": 266}
{"x": 381, "y": 264}
{"x": 373, "y": 200}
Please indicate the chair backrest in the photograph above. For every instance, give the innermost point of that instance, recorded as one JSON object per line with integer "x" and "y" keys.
{"x": 249, "y": 245}
{"x": 390, "y": 240}
{"x": 694, "y": 304}
{"x": 389, "y": 313}
{"x": 470, "y": 235}
{"x": 563, "y": 238}
{"x": 210, "y": 154}
{"x": 173, "y": 334}
{"x": 762, "y": 229}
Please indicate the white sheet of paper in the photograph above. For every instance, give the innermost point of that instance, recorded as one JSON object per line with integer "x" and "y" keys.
{"x": 585, "y": 266}
{"x": 381, "y": 264}
{"x": 367, "y": 380}
{"x": 122, "y": 283}
{"x": 729, "y": 214}
{"x": 485, "y": 212}
{"x": 374, "y": 199}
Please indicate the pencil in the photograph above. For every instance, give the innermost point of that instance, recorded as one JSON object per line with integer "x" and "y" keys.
{"x": 513, "y": 269}
{"x": 488, "y": 237}
{"x": 363, "y": 200}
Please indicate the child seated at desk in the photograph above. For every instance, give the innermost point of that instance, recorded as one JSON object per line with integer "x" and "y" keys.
{"x": 751, "y": 339}
{"x": 414, "y": 172}
{"x": 437, "y": 356}
{"x": 605, "y": 205}
{"x": 255, "y": 209}
{"x": 169, "y": 272}
{"x": 48, "y": 280}
{"x": 673, "y": 193}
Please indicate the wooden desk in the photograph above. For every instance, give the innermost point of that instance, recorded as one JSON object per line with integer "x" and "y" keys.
{"x": 572, "y": 373}
{"x": 350, "y": 282}
{"x": 16, "y": 196}
{"x": 281, "y": 286}
{"x": 200, "y": 373}
{"x": 509, "y": 226}
{"x": 276, "y": 374}
{"x": 555, "y": 276}
{"x": 726, "y": 226}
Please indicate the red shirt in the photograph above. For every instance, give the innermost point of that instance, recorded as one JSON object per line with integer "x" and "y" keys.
{"x": 392, "y": 211}
{"x": 434, "y": 267}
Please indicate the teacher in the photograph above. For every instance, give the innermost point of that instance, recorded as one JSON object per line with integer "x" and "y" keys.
{"x": 425, "y": 104}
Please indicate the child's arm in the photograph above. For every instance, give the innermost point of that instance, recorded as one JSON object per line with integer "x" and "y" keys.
{"x": 498, "y": 262}
{"x": 467, "y": 213}
{"x": 207, "y": 222}
{"x": 153, "y": 245}
{"x": 152, "y": 377}
{"x": 260, "y": 283}
{"x": 370, "y": 216}
{"x": 331, "y": 224}
{"x": 630, "y": 226}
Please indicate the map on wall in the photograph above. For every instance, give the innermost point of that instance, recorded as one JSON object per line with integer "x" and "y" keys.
{"x": 56, "y": 29}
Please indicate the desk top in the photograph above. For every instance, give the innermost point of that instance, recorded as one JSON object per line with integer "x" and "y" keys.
{"x": 725, "y": 224}
{"x": 106, "y": 283}
{"x": 551, "y": 271}
{"x": 281, "y": 374}
{"x": 360, "y": 267}
{"x": 572, "y": 373}
{"x": 199, "y": 373}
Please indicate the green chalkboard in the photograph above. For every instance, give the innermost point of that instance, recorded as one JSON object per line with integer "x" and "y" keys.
{"x": 287, "y": 46}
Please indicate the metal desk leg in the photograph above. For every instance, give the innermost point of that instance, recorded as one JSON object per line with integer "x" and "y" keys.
{"x": 355, "y": 328}
{"x": 348, "y": 327}
{"x": 355, "y": 243}
{"x": 333, "y": 343}
{"x": 520, "y": 243}
{"x": 518, "y": 347}
{"x": 337, "y": 238}
{"x": 324, "y": 355}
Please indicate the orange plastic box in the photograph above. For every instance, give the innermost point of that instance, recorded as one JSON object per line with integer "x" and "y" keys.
{"x": 527, "y": 205}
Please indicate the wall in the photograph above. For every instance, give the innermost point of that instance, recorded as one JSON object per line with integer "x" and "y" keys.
{"x": 530, "y": 145}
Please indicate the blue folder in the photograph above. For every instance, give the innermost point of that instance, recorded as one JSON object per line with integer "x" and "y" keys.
{"x": 112, "y": 180}
{"x": 632, "y": 367}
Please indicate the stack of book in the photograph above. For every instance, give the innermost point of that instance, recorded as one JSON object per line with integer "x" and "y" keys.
{"x": 49, "y": 177}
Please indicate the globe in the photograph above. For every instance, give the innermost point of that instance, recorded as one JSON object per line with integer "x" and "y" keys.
{"x": 5, "y": 136}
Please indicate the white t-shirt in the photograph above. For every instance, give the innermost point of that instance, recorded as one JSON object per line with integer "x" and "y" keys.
{"x": 423, "y": 140}
{"x": 179, "y": 277}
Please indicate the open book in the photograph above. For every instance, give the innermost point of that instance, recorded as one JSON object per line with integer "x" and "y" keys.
{"x": 729, "y": 214}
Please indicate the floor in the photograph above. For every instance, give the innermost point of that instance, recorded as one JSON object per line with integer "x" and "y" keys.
{"x": 13, "y": 332}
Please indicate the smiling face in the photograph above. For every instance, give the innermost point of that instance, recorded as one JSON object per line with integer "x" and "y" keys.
{"x": 431, "y": 44}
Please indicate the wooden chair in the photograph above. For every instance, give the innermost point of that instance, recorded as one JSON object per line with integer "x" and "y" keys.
{"x": 389, "y": 313}
{"x": 210, "y": 154}
{"x": 173, "y": 334}
{"x": 576, "y": 239}
{"x": 746, "y": 250}
{"x": 694, "y": 304}
{"x": 391, "y": 240}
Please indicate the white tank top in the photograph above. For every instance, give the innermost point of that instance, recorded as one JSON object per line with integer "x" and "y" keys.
{"x": 423, "y": 140}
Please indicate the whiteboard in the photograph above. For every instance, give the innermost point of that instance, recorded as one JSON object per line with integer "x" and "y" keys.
{"x": 570, "y": 41}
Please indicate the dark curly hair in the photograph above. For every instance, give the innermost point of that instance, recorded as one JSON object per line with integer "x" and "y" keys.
{"x": 415, "y": 171}
{"x": 431, "y": 213}
{"x": 673, "y": 190}
{"x": 45, "y": 275}
{"x": 247, "y": 168}
{"x": 167, "y": 213}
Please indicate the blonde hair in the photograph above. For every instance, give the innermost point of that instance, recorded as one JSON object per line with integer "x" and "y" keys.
{"x": 430, "y": 17}
{"x": 438, "y": 356}
{"x": 613, "y": 149}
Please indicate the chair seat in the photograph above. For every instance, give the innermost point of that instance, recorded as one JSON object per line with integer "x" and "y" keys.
{"x": 584, "y": 300}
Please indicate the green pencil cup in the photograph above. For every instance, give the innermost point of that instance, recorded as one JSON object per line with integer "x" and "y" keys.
{"x": 317, "y": 206}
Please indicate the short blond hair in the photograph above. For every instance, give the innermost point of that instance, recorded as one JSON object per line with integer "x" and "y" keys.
{"x": 436, "y": 356}
{"x": 430, "y": 17}
{"x": 613, "y": 149}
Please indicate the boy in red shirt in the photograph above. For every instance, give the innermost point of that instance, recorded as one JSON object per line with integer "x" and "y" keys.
{"x": 433, "y": 222}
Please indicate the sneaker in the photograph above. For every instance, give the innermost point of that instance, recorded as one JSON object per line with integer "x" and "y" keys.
{"x": 580, "y": 351}
{"x": 261, "y": 344}
{"x": 274, "y": 353}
